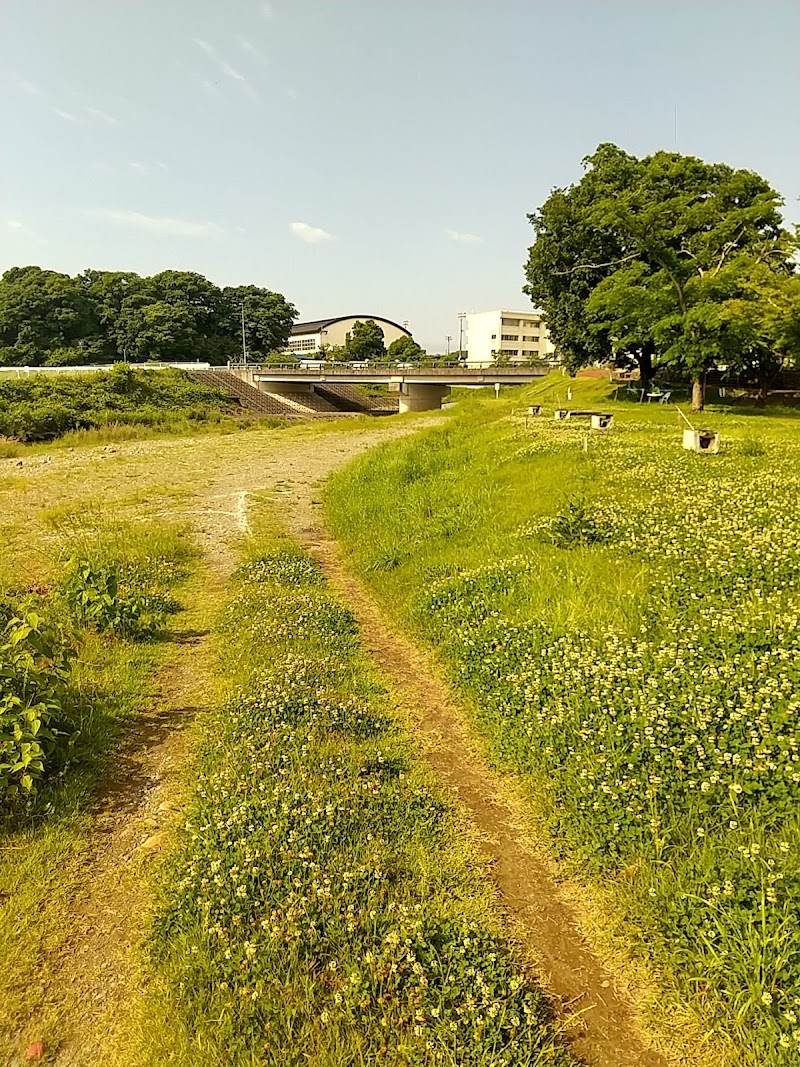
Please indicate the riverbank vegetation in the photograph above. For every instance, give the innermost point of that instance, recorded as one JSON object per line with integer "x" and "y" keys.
{"x": 43, "y": 408}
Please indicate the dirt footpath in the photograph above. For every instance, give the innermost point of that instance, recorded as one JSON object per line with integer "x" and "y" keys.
{"x": 206, "y": 481}
{"x": 599, "y": 1019}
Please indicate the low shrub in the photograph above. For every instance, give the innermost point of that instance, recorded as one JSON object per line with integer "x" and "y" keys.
{"x": 96, "y": 598}
{"x": 34, "y": 696}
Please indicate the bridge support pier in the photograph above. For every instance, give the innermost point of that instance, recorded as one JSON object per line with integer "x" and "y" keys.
{"x": 422, "y": 397}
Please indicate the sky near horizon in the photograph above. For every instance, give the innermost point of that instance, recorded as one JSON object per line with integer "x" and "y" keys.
{"x": 363, "y": 156}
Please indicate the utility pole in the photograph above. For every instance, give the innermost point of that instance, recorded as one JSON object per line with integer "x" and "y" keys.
{"x": 244, "y": 339}
{"x": 461, "y": 316}
{"x": 448, "y": 338}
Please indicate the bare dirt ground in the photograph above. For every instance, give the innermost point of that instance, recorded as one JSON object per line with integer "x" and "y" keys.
{"x": 207, "y": 481}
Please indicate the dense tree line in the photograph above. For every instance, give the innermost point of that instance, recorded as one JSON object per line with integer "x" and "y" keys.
{"x": 52, "y": 319}
{"x": 670, "y": 262}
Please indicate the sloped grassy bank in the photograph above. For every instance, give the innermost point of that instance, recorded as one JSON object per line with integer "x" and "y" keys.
{"x": 42, "y": 408}
{"x": 623, "y": 617}
{"x": 323, "y": 905}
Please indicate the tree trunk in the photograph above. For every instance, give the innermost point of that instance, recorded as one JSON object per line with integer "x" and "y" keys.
{"x": 698, "y": 394}
{"x": 645, "y": 361}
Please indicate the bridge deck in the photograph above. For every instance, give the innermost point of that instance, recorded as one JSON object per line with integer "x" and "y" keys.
{"x": 433, "y": 375}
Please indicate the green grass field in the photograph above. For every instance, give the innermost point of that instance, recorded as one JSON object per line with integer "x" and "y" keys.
{"x": 622, "y": 617}
{"x": 324, "y": 905}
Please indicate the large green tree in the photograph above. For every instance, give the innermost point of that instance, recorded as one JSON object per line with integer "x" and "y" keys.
{"x": 365, "y": 343}
{"x": 406, "y": 350}
{"x": 653, "y": 259}
{"x": 113, "y": 293}
{"x": 159, "y": 331}
{"x": 40, "y": 311}
{"x": 268, "y": 319}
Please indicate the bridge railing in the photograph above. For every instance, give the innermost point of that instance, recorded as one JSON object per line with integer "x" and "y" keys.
{"x": 445, "y": 369}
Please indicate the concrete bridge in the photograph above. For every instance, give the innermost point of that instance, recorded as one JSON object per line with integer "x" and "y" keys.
{"x": 419, "y": 388}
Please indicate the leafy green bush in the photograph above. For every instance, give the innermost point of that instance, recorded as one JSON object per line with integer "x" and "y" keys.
{"x": 98, "y": 598}
{"x": 34, "y": 671}
{"x": 575, "y": 525}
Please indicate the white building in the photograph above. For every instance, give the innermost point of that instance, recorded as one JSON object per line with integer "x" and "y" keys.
{"x": 312, "y": 338}
{"x": 513, "y": 336}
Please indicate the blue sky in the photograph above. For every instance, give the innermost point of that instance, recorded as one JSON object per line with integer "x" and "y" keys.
{"x": 365, "y": 156}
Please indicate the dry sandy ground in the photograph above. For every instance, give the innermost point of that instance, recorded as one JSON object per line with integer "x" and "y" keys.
{"x": 207, "y": 480}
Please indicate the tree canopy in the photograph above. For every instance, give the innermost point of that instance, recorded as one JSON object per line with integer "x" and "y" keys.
{"x": 666, "y": 260}
{"x": 363, "y": 344}
{"x": 100, "y": 316}
{"x": 406, "y": 350}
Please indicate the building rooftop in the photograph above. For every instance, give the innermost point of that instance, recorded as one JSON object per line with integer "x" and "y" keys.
{"x": 316, "y": 325}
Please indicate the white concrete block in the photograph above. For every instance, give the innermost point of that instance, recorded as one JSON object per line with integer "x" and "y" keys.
{"x": 701, "y": 440}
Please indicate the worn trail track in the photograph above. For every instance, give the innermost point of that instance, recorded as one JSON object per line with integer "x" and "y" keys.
{"x": 599, "y": 1019}
{"x": 92, "y": 976}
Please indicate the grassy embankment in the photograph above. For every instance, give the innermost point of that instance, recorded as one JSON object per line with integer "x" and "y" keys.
{"x": 118, "y": 405}
{"x": 103, "y": 593}
{"x": 324, "y": 905}
{"x": 623, "y": 619}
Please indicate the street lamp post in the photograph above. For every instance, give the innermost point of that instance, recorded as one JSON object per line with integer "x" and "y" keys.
{"x": 448, "y": 338}
{"x": 461, "y": 316}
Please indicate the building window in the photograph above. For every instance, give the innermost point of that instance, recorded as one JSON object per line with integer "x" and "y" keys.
{"x": 509, "y": 351}
{"x": 303, "y": 344}
{"x": 509, "y": 322}
{"x": 509, "y": 337}
{"x": 494, "y": 336}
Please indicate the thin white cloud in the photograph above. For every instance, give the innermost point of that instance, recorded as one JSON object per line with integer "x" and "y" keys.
{"x": 146, "y": 169}
{"x": 290, "y": 93}
{"x": 267, "y": 10}
{"x": 249, "y": 48}
{"x": 464, "y": 238}
{"x": 157, "y": 223}
{"x": 102, "y": 116}
{"x": 226, "y": 68}
{"x": 27, "y": 87}
{"x": 25, "y": 231}
{"x": 67, "y": 116}
{"x": 210, "y": 88}
{"x": 312, "y": 235}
